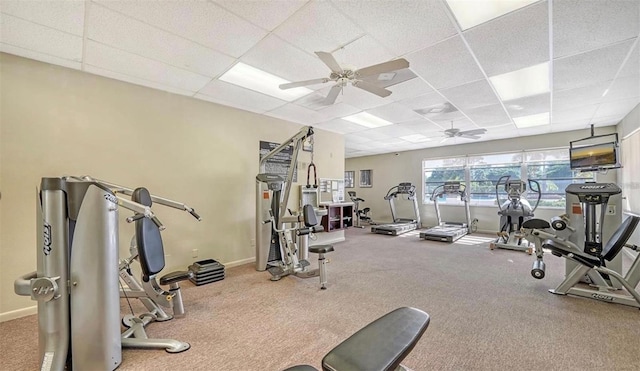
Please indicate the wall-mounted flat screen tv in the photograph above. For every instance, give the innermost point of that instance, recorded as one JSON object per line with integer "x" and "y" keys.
{"x": 594, "y": 156}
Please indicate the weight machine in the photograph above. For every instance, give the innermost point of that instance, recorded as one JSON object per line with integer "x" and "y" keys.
{"x": 361, "y": 214}
{"x": 277, "y": 250}
{"x": 76, "y": 281}
{"x": 513, "y": 212}
{"x": 400, "y": 225}
{"x": 449, "y": 231}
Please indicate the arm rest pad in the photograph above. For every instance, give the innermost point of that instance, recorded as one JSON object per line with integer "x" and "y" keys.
{"x": 382, "y": 344}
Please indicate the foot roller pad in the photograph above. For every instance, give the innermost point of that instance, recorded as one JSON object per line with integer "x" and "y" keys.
{"x": 321, "y": 249}
{"x": 382, "y": 344}
{"x": 206, "y": 271}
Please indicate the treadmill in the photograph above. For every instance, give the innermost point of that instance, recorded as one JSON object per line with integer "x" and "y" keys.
{"x": 449, "y": 231}
{"x": 400, "y": 225}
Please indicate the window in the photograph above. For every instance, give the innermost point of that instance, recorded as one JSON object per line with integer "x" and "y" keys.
{"x": 365, "y": 179}
{"x": 436, "y": 172}
{"x": 484, "y": 172}
{"x": 480, "y": 173}
{"x": 552, "y": 171}
{"x": 349, "y": 179}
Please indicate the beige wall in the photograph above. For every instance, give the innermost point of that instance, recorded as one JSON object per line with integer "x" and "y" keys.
{"x": 390, "y": 169}
{"x": 57, "y": 121}
{"x": 629, "y": 181}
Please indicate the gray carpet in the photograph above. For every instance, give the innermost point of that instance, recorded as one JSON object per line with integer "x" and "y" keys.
{"x": 487, "y": 313}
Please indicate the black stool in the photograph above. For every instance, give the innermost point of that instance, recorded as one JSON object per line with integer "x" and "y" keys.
{"x": 322, "y": 261}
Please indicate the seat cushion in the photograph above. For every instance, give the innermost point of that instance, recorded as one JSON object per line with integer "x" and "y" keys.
{"x": 560, "y": 250}
{"x": 174, "y": 277}
{"x": 381, "y": 345}
{"x": 321, "y": 249}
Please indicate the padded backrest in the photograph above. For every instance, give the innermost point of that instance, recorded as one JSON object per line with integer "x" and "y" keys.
{"x": 148, "y": 239}
{"x": 309, "y": 216}
{"x": 620, "y": 237}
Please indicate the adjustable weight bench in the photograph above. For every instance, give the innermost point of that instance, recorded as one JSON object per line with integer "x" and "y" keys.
{"x": 381, "y": 345}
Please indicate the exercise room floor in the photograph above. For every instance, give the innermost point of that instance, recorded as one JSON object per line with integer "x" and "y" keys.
{"x": 487, "y": 313}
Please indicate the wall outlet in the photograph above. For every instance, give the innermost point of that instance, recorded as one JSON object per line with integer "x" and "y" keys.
{"x": 253, "y": 242}
{"x": 194, "y": 253}
{"x": 611, "y": 209}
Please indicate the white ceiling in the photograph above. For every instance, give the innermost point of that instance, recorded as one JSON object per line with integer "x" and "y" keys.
{"x": 184, "y": 46}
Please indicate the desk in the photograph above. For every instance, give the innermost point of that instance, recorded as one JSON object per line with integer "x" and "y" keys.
{"x": 339, "y": 215}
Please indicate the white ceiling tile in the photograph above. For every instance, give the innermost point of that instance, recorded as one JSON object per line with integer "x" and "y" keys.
{"x": 410, "y": 89}
{"x": 580, "y": 25}
{"x": 27, "y": 35}
{"x": 590, "y": 67}
{"x": 529, "y": 105}
{"x": 266, "y": 14}
{"x": 391, "y": 131}
{"x": 395, "y": 113}
{"x": 307, "y": 66}
{"x": 26, "y": 53}
{"x": 423, "y": 101}
{"x": 134, "y": 80}
{"x": 517, "y": 40}
{"x": 357, "y": 98}
{"x": 372, "y": 134}
{"x": 402, "y": 27}
{"x": 584, "y": 95}
{"x": 422, "y": 126}
{"x": 337, "y": 110}
{"x": 363, "y": 52}
{"x": 115, "y": 60}
{"x": 295, "y": 113}
{"x": 445, "y": 64}
{"x": 445, "y": 119}
{"x": 236, "y": 96}
{"x": 619, "y": 107}
{"x": 622, "y": 88}
{"x": 355, "y": 138}
{"x": 535, "y": 130}
{"x": 574, "y": 114}
{"x": 111, "y": 28}
{"x": 340, "y": 126}
{"x": 318, "y": 26}
{"x": 468, "y": 96}
{"x": 632, "y": 65}
{"x": 200, "y": 21}
{"x": 488, "y": 116}
{"x": 66, "y": 16}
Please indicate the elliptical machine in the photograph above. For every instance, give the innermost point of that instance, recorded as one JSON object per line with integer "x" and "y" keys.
{"x": 513, "y": 213}
{"x": 361, "y": 214}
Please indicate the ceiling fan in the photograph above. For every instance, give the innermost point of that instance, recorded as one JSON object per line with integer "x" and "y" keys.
{"x": 468, "y": 134}
{"x": 343, "y": 76}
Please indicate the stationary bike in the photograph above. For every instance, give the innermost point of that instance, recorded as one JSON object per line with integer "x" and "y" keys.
{"x": 361, "y": 215}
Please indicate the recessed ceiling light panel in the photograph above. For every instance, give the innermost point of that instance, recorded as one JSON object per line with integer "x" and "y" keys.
{"x": 470, "y": 13}
{"x": 525, "y": 82}
{"x": 532, "y": 120}
{"x": 255, "y": 79}
{"x": 368, "y": 120}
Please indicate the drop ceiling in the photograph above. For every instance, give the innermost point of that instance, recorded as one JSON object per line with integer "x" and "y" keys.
{"x": 590, "y": 49}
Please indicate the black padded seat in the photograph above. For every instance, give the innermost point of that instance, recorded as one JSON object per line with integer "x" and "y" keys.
{"x": 174, "y": 277}
{"x": 536, "y": 224}
{"x": 620, "y": 237}
{"x": 559, "y": 250}
{"x": 321, "y": 249}
{"x": 382, "y": 344}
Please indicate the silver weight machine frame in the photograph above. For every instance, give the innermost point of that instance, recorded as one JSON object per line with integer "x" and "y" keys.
{"x": 76, "y": 281}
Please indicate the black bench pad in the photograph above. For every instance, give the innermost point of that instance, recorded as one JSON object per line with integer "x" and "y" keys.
{"x": 301, "y": 368}
{"x": 564, "y": 251}
{"x": 321, "y": 249}
{"x": 536, "y": 224}
{"x": 381, "y": 345}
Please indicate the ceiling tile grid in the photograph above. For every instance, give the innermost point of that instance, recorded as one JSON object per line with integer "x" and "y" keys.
{"x": 185, "y": 46}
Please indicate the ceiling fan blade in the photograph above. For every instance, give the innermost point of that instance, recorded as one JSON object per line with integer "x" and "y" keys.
{"x": 377, "y": 69}
{"x": 371, "y": 88}
{"x": 333, "y": 95}
{"x": 473, "y": 132}
{"x": 304, "y": 83}
{"x": 330, "y": 61}
{"x": 469, "y": 136}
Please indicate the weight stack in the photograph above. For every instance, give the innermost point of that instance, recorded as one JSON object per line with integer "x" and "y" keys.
{"x": 206, "y": 271}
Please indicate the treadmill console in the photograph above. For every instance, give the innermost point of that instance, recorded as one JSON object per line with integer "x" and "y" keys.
{"x": 451, "y": 187}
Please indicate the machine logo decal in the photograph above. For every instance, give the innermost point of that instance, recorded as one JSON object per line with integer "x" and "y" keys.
{"x": 46, "y": 248}
{"x": 602, "y": 297}
{"x": 110, "y": 197}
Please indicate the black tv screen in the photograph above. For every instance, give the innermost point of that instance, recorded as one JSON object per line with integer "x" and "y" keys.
{"x": 593, "y": 156}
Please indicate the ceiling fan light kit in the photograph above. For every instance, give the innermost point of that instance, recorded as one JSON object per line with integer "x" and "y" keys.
{"x": 342, "y": 77}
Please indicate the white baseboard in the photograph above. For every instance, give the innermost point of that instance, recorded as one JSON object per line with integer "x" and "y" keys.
{"x": 240, "y": 262}
{"x": 18, "y": 313}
